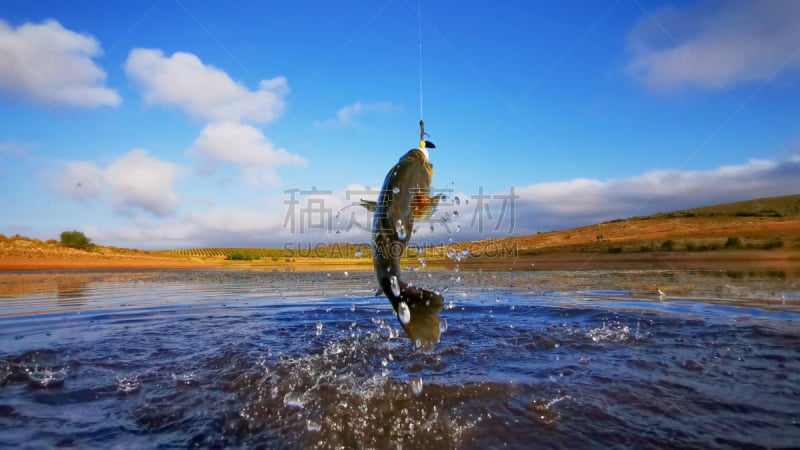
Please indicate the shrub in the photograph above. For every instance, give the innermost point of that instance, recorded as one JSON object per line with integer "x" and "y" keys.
{"x": 241, "y": 256}
{"x": 690, "y": 247}
{"x": 733, "y": 242}
{"x": 667, "y": 245}
{"x": 3, "y": 237}
{"x": 775, "y": 243}
{"x": 75, "y": 239}
{"x": 614, "y": 249}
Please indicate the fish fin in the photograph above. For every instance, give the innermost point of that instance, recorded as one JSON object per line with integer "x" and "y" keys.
{"x": 424, "y": 207}
{"x": 371, "y": 205}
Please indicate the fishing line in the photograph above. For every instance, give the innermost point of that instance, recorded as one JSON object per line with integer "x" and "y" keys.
{"x": 419, "y": 36}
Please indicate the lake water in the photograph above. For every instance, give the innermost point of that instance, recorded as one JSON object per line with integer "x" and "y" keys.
{"x": 214, "y": 359}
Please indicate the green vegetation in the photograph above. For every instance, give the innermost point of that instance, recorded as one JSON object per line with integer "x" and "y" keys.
{"x": 733, "y": 242}
{"x": 242, "y": 256}
{"x": 75, "y": 239}
{"x": 772, "y": 244}
{"x": 667, "y": 245}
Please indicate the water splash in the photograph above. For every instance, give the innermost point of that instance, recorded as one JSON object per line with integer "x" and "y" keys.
{"x": 127, "y": 385}
{"x": 46, "y": 377}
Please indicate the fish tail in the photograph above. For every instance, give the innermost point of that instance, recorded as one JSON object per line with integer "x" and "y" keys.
{"x": 417, "y": 308}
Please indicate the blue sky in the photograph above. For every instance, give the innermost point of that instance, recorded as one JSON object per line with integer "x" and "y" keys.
{"x": 169, "y": 124}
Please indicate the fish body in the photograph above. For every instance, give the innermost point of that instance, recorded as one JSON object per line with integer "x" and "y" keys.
{"x": 404, "y": 197}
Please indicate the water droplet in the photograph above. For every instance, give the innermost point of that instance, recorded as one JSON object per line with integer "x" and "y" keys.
{"x": 458, "y": 228}
{"x": 456, "y": 200}
{"x": 403, "y": 313}
{"x": 293, "y": 399}
{"x": 464, "y": 253}
{"x": 395, "y": 285}
{"x": 187, "y": 379}
{"x": 423, "y": 263}
{"x": 384, "y": 362}
{"x": 451, "y": 253}
{"x": 313, "y": 426}
{"x": 451, "y": 305}
{"x": 319, "y": 328}
{"x": 353, "y": 307}
{"x": 416, "y": 386}
{"x": 455, "y": 213}
{"x": 396, "y": 190}
{"x": 442, "y": 325}
{"x": 431, "y": 228}
{"x": 401, "y": 230}
{"x": 346, "y": 274}
{"x": 446, "y": 217}
{"x": 358, "y": 254}
{"x": 338, "y": 232}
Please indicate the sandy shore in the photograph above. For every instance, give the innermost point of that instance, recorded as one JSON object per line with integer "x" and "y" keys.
{"x": 786, "y": 260}
{"x": 75, "y": 262}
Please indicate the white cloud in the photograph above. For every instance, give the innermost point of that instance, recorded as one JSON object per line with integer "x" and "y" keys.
{"x": 134, "y": 181}
{"x": 719, "y": 44}
{"x": 347, "y": 115}
{"x": 581, "y": 202}
{"x": 262, "y": 225}
{"x": 81, "y": 180}
{"x": 540, "y": 207}
{"x": 244, "y": 146}
{"x": 13, "y": 148}
{"x": 47, "y": 63}
{"x": 201, "y": 90}
{"x": 140, "y": 180}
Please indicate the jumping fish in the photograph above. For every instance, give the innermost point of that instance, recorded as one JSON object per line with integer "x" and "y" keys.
{"x": 405, "y": 197}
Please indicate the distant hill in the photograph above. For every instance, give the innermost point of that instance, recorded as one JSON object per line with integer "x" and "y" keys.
{"x": 765, "y": 223}
{"x": 785, "y": 206}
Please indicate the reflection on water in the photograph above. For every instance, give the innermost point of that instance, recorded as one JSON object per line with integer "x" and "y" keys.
{"x": 212, "y": 359}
